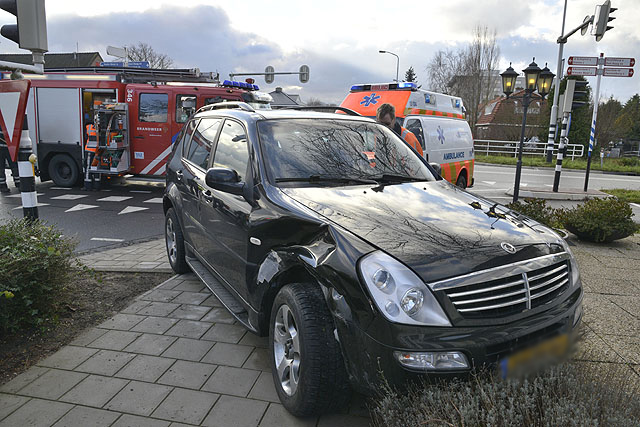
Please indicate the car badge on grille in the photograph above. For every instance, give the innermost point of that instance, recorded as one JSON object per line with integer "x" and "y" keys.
{"x": 508, "y": 247}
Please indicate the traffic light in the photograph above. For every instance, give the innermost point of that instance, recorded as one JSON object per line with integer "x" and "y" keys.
{"x": 576, "y": 95}
{"x": 601, "y": 19}
{"x": 30, "y": 31}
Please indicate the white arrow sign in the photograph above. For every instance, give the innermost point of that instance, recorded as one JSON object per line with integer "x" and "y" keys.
{"x": 619, "y": 62}
{"x": 583, "y": 60}
{"x": 581, "y": 71}
{"x": 618, "y": 72}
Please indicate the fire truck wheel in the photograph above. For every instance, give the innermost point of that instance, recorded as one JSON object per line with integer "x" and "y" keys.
{"x": 175, "y": 242}
{"x": 63, "y": 170}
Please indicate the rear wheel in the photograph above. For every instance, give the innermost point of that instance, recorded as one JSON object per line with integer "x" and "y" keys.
{"x": 175, "y": 242}
{"x": 462, "y": 181}
{"x": 63, "y": 170}
{"x": 306, "y": 360}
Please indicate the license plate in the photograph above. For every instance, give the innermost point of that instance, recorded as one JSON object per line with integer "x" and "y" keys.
{"x": 528, "y": 359}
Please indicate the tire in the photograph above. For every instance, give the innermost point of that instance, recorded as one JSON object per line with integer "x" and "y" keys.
{"x": 322, "y": 384}
{"x": 462, "y": 181}
{"x": 63, "y": 170}
{"x": 174, "y": 241}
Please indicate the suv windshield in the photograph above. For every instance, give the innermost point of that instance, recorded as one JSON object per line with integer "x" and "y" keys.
{"x": 341, "y": 151}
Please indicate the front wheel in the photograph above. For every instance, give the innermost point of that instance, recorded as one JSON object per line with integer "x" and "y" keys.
{"x": 306, "y": 360}
{"x": 462, "y": 181}
{"x": 63, "y": 170}
{"x": 175, "y": 242}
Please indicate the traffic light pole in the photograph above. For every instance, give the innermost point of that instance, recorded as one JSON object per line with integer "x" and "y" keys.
{"x": 592, "y": 136}
{"x": 556, "y": 93}
{"x": 561, "y": 148}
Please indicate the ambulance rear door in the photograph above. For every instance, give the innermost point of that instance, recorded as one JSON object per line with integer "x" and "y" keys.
{"x": 150, "y": 115}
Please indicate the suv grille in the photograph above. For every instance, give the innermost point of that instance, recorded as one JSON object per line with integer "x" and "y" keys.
{"x": 509, "y": 289}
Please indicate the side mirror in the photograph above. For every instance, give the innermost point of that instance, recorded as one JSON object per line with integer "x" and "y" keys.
{"x": 437, "y": 167}
{"x": 224, "y": 179}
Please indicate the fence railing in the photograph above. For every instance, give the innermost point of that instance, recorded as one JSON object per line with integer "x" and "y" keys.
{"x": 490, "y": 146}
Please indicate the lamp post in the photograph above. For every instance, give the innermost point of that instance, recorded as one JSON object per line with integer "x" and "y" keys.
{"x": 397, "y": 62}
{"x": 535, "y": 78}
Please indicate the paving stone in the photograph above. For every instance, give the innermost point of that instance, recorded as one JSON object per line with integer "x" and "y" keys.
{"x": 212, "y": 301}
{"x": 193, "y": 298}
{"x": 87, "y": 417}
{"x": 170, "y": 284}
{"x": 23, "y": 379}
{"x": 189, "y": 312}
{"x": 606, "y": 318}
{"x": 145, "y": 368}
{"x": 9, "y": 403}
{"x": 187, "y": 374}
{"x": 187, "y": 406}
{"x": 225, "y": 333}
{"x": 121, "y": 321}
{"x": 342, "y": 420}
{"x": 191, "y": 286}
{"x": 219, "y": 315}
{"x": 228, "y": 354}
{"x": 232, "y": 411}
{"x": 278, "y": 416}
{"x": 139, "y": 398}
{"x": 264, "y": 389}
{"x": 155, "y": 325}
{"x": 36, "y": 413}
{"x": 135, "y": 307}
{"x": 115, "y": 340}
{"x": 234, "y": 381}
{"x": 254, "y": 340}
{"x": 157, "y": 308}
{"x": 593, "y": 348}
{"x": 188, "y": 349}
{"x": 259, "y": 359}
{"x": 160, "y": 295}
{"x": 150, "y": 344}
{"x": 189, "y": 329}
{"x": 135, "y": 421}
{"x": 630, "y": 304}
{"x": 94, "y": 391}
{"x": 105, "y": 362}
{"x": 88, "y": 336}
{"x": 53, "y": 384}
{"x": 627, "y": 347}
{"x": 68, "y": 357}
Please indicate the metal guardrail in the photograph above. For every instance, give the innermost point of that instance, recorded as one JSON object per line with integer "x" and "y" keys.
{"x": 490, "y": 146}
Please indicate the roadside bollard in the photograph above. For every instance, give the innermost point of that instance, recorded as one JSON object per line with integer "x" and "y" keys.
{"x": 26, "y": 160}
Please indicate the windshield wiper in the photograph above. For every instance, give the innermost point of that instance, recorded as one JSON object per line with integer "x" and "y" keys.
{"x": 397, "y": 178}
{"x": 333, "y": 179}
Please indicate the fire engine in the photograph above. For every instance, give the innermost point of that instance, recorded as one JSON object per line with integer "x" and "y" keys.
{"x": 137, "y": 114}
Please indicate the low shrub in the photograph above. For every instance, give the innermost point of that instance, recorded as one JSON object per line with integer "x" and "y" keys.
{"x": 537, "y": 209}
{"x": 600, "y": 220}
{"x": 36, "y": 263}
{"x": 564, "y": 395}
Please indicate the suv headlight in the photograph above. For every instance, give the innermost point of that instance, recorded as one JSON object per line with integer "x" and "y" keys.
{"x": 399, "y": 293}
{"x": 575, "y": 273}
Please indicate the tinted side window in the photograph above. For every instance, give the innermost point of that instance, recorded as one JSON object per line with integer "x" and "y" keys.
{"x": 153, "y": 107}
{"x": 415, "y": 127}
{"x": 185, "y": 106}
{"x": 232, "y": 151}
{"x": 187, "y": 132}
{"x": 203, "y": 137}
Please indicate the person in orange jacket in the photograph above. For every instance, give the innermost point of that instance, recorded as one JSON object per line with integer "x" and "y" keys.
{"x": 386, "y": 115}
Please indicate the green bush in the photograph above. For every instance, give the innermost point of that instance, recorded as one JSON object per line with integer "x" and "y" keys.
{"x": 36, "y": 263}
{"x": 564, "y": 395}
{"x": 629, "y": 161}
{"x": 537, "y": 209}
{"x": 600, "y": 220}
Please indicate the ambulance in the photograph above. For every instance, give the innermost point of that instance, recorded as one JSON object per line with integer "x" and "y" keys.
{"x": 437, "y": 121}
{"x": 137, "y": 114}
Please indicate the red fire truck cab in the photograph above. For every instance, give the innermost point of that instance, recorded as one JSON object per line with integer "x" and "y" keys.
{"x": 137, "y": 115}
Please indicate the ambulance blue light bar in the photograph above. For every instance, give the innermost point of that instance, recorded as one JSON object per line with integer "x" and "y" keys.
{"x": 242, "y": 85}
{"x": 384, "y": 86}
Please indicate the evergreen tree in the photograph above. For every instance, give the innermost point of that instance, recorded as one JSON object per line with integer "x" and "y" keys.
{"x": 410, "y": 75}
{"x": 628, "y": 121}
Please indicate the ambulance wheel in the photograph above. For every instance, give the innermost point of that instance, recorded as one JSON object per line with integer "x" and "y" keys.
{"x": 63, "y": 170}
{"x": 462, "y": 181}
{"x": 175, "y": 243}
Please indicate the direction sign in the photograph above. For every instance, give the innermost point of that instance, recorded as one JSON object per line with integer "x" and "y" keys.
{"x": 619, "y": 62}
{"x": 138, "y": 64}
{"x": 112, "y": 64}
{"x": 618, "y": 72}
{"x": 583, "y": 60}
{"x": 581, "y": 71}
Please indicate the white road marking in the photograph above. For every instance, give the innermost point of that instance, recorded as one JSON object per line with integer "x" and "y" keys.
{"x": 38, "y": 205}
{"x": 154, "y": 200}
{"x": 140, "y": 191}
{"x": 489, "y": 182}
{"x": 20, "y": 195}
{"x": 69, "y": 197}
{"x": 61, "y": 188}
{"x": 80, "y": 207}
{"x": 487, "y": 190}
{"x": 114, "y": 199}
{"x": 548, "y": 185}
{"x": 130, "y": 209}
{"x": 106, "y": 239}
{"x": 565, "y": 174}
{"x": 523, "y": 184}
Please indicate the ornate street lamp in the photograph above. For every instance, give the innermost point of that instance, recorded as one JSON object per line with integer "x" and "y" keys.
{"x": 535, "y": 78}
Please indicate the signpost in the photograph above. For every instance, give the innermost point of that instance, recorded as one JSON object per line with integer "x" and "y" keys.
{"x": 618, "y": 72}
{"x": 619, "y": 62}
{"x": 581, "y": 71}
{"x": 590, "y": 61}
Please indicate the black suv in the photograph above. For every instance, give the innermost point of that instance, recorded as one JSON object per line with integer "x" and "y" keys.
{"x": 331, "y": 235}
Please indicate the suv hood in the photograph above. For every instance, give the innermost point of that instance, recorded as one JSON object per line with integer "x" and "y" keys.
{"x": 435, "y": 228}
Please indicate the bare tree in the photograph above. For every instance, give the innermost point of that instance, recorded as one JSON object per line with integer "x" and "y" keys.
{"x": 144, "y": 52}
{"x": 469, "y": 72}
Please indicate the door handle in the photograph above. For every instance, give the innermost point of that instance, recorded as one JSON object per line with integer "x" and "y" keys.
{"x": 179, "y": 175}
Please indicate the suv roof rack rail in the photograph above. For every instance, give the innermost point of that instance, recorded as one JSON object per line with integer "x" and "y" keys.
{"x": 348, "y": 111}
{"x": 227, "y": 105}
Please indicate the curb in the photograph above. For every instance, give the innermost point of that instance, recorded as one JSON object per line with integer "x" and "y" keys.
{"x": 564, "y": 169}
{"x": 133, "y": 270}
{"x": 570, "y": 194}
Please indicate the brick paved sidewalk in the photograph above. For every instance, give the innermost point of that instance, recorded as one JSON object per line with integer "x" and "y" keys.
{"x": 149, "y": 256}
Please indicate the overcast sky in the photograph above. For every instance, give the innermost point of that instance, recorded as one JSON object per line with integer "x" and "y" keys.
{"x": 338, "y": 39}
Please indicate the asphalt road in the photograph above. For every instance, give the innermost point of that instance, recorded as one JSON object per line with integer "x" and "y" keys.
{"x": 123, "y": 211}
